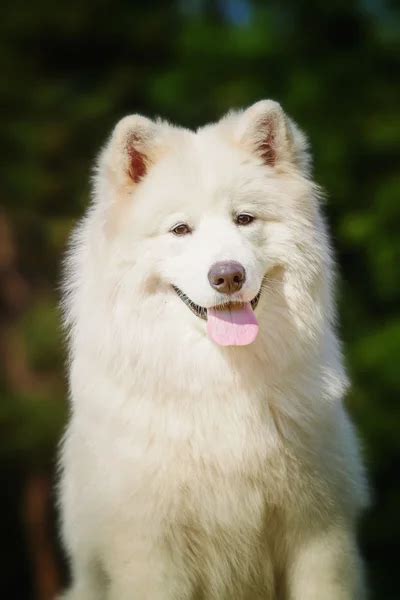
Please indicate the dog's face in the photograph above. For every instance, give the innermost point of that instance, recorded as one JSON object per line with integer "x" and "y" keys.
{"x": 214, "y": 226}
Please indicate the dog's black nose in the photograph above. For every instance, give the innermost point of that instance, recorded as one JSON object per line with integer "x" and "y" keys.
{"x": 227, "y": 276}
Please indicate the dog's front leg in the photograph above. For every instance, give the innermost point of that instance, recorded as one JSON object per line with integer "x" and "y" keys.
{"x": 146, "y": 578}
{"x": 326, "y": 566}
{"x": 89, "y": 583}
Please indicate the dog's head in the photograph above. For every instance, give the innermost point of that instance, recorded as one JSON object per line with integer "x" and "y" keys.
{"x": 218, "y": 229}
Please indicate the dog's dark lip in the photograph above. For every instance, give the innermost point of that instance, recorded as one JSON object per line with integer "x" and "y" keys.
{"x": 201, "y": 311}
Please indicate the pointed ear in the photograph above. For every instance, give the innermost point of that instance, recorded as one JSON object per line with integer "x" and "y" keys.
{"x": 131, "y": 150}
{"x": 264, "y": 129}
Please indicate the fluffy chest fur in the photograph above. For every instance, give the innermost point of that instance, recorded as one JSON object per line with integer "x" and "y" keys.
{"x": 203, "y": 456}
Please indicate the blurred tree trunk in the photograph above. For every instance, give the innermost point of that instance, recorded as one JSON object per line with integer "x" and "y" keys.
{"x": 37, "y": 505}
{"x": 21, "y": 378}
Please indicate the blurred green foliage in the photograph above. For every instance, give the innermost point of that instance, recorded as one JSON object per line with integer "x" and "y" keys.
{"x": 71, "y": 69}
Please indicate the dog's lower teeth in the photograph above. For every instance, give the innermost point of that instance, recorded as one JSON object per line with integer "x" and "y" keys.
{"x": 201, "y": 311}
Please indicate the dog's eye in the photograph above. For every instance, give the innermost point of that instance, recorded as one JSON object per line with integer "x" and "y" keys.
{"x": 181, "y": 229}
{"x": 244, "y": 219}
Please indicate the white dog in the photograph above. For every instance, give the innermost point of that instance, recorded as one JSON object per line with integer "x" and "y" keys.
{"x": 208, "y": 455}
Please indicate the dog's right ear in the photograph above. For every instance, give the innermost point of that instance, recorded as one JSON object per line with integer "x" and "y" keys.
{"x": 132, "y": 148}
{"x": 267, "y": 132}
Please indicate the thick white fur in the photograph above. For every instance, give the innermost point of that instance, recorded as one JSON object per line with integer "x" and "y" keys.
{"x": 192, "y": 471}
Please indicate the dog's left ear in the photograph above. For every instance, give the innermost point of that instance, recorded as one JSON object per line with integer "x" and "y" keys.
{"x": 133, "y": 147}
{"x": 265, "y": 129}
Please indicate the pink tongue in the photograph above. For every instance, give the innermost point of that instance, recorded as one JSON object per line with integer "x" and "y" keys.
{"x": 237, "y": 327}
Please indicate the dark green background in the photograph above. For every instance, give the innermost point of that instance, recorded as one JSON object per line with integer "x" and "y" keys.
{"x": 69, "y": 70}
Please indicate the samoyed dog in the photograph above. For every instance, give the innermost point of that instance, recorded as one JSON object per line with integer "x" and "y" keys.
{"x": 208, "y": 454}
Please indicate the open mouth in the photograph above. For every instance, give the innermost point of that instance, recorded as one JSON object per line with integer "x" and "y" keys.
{"x": 201, "y": 311}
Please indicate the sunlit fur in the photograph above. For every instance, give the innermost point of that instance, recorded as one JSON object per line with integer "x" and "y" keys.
{"x": 192, "y": 471}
